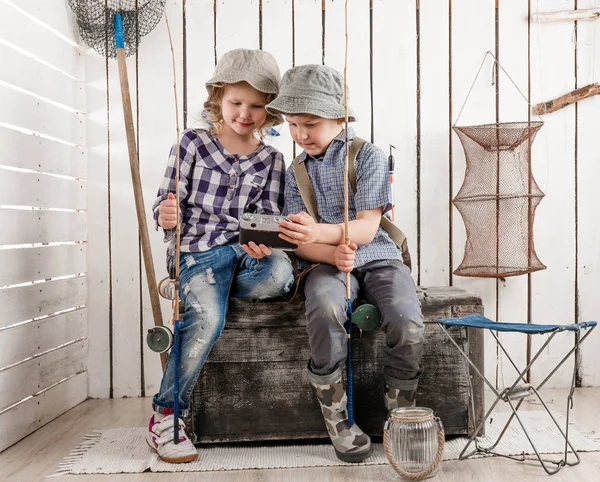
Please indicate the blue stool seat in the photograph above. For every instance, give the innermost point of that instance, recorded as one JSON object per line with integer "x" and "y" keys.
{"x": 480, "y": 321}
{"x": 521, "y": 388}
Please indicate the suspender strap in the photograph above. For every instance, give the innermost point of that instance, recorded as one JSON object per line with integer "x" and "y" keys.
{"x": 308, "y": 197}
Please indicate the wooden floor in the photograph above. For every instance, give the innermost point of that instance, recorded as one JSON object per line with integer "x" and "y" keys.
{"x": 37, "y": 455}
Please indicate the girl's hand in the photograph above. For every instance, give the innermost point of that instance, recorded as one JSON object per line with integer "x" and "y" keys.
{"x": 256, "y": 251}
{"x": 302, "y": 229}
{"x": 167, "y": 212}
{"x": 344, "y": 257}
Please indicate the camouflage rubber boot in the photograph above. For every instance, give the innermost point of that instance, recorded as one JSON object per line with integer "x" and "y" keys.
{"x": 351, "y": 444}
{"x": 399, "y": 393}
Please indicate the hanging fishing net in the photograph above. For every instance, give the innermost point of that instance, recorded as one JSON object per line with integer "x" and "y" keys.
{"x": 497, "y": 200}
{"x": 95, "y": 19}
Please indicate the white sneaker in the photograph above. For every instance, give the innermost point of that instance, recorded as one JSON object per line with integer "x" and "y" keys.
{"x": 160, "y": 438}
{"x": 165, "y": 288}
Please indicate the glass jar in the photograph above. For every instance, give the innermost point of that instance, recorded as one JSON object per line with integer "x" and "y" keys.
{"x": 413, "y": 440}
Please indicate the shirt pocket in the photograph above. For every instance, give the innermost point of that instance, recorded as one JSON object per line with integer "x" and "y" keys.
{"x": 252, "y": 189}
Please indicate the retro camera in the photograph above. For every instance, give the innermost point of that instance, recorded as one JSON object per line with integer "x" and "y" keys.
{"x": 263, "y": 229}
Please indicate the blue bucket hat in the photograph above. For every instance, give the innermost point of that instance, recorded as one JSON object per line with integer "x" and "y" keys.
{"x": 312, "y": 89}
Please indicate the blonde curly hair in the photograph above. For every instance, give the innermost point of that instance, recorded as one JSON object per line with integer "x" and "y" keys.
{"x": 213, "y": 106}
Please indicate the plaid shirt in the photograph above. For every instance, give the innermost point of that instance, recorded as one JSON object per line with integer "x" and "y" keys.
{"x": 327, "y": 177}
{"x": 216, "y": 187}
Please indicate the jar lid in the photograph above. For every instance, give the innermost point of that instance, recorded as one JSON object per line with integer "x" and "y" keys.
{"x": 411, "y": 414}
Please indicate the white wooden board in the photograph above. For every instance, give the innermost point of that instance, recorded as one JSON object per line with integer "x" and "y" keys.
{"x": 308, "y": 32}
{"x": 98, "y": 259}
{"x": 513, "y": 51}
{"x": 471, "y": 19}
{"x": 54, "y": 14}
{"x": 394, "y": 101}
{"x": 41, "y": 299}
{"x": 588, "y": 117}
{"x": 37, "y": 226}
{"x": 21, "y": 265}
{"x": 359, "y": 53}
{"x": 28, "y": 112}
{"x": 157, "y": 102}
{"x": 230, "y": 37}
{"x": 20, "y": 381}
{"x": 435, "y": 130}
{"x": 37, "y": 337}
{"x": 40, "y": 79}
{"x": 40, "y": 190}
{"x": 36, "y": 153}
{"x": 277, "y": 39}
{"x": 125, "y": 260}
{"x": 552, "y": 74}
{"x": 21, "y": 31}
{"x": 41, "y": 409}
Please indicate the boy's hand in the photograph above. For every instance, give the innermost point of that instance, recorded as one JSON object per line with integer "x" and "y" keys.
{"x": 302, "y": 229}
{"x": 256, "y": 251}
{"x": 344, "y": 257}
{"x": 167, "y": 212}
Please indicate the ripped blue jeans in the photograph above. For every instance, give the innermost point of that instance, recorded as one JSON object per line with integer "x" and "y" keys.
{"x": 206, "y": 280}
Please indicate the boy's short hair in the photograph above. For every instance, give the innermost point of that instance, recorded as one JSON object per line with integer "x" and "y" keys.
{"x": 312, "y": 89}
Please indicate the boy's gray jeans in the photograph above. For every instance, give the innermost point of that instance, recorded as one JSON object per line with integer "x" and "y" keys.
{"x": 387, "y": 284}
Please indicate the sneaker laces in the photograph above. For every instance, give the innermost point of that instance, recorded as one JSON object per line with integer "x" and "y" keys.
{"x": 165, "y": 430}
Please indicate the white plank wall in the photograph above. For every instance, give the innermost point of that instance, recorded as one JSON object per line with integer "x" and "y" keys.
{"x": 394, "y": 105}
{"x": 479, "y": 108}
{"x": 512, "y": 52}
{"x": 72, "y": 257}
{"x": 156, "y": 135}
{"x": 420, "y": 62}
{"x": 434, "y": 269}
{"x": 588, "y": 119}
{"x": 277, "y": 39}
{"x": 43, "y": 170}
{"x": 553, "y": 154}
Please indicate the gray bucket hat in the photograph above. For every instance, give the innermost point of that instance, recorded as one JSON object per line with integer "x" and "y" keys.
{"x": 257, "y": 67}
{"x": 312, "y": 89}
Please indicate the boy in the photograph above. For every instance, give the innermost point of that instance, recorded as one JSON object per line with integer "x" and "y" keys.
{"x": 311, "y": 98}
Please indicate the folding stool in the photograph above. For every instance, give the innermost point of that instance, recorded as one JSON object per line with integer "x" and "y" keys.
{"x": 519, "y": 391}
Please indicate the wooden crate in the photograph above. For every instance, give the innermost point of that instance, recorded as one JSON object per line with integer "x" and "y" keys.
{"x": 254, "y": 385}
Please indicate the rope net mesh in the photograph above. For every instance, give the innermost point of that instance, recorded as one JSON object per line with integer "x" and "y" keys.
{"x": 498, "y": 199}
{"x": 95, "y": 19}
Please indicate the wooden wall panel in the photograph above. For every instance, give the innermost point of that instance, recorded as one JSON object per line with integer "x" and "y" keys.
{"x": 277, "y": 39}
{"x": 125, "y": 259}
{"x": 394, "y": 106}
{"x": 434, "y": 125}
{"x": 588, "y": 226}
{"x": 27, "y": 151}
{"x": 34, "y": 264}
{"x": 99, "y": 242}
{"x": 43, "y": 165}
{"x": 467, "y": 57}
{"x": 308, "y": 32}
{"x": 410, "y": 80}
{"x": 513, "y": 51}
{"x": 157, "y": 133}
{"x": 553, "y": 289}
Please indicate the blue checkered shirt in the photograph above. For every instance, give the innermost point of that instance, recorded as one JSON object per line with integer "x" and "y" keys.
{"x": 216, "y": 187}
{"x": 373, "y": 190}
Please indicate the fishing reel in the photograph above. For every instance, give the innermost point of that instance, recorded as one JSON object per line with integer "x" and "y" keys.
{"x": 160, "y": 339}
{"x": 365, "y": 316}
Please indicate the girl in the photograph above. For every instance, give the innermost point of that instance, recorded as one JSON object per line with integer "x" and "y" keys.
{"x": 224, "y": 171}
